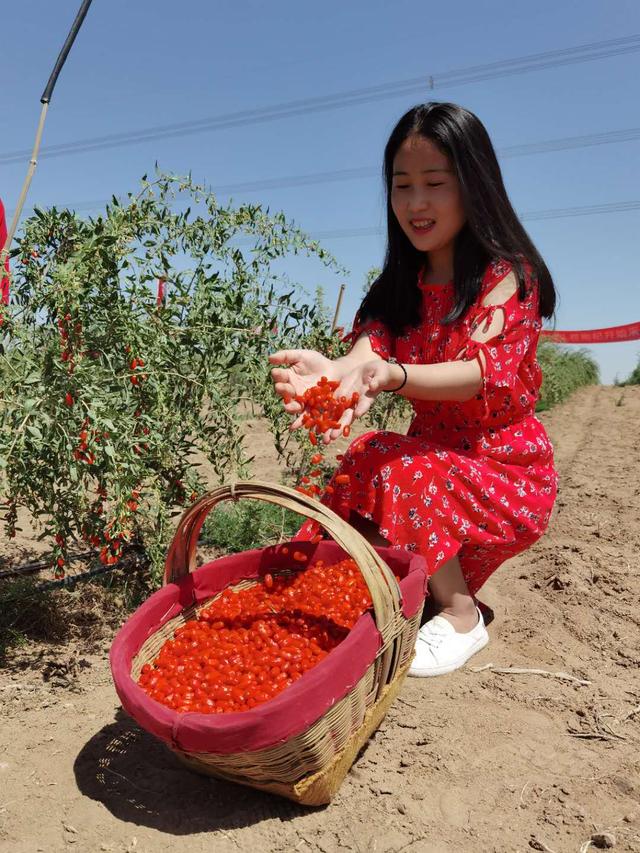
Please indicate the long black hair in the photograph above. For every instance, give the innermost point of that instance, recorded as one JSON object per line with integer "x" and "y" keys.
{"x": 492, "y": 229}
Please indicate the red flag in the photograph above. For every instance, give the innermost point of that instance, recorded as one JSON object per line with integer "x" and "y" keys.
{"x": 4, "y": 283}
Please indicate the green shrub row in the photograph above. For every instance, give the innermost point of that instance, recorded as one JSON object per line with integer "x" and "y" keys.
{"x": 564, "y": 371}
{"x": 633, "y": 378}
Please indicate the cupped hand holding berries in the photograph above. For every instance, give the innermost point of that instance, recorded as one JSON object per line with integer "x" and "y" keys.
{"x": 362, "y": 383}
{"x": 301, "y": 369}
{"x": 327, "y": 396}
{"x": 366, "y": 380}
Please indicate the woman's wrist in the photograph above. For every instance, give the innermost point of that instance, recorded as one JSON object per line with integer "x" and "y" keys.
{"x": 345, "y": 364}
{"x": 397, "y": 377}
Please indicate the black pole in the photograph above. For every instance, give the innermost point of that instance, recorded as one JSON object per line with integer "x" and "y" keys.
{"x": 66, "y": 47}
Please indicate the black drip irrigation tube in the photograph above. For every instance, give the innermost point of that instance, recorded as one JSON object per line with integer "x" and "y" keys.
{"x": 66, "y": 47}
{"x": 130, "y": 560}
{"x": 71, "y": 580}
{"x": 34, "y": 568}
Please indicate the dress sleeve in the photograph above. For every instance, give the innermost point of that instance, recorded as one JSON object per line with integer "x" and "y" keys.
{"x": 380, "y": 338}
{"x": 501, "y": 367}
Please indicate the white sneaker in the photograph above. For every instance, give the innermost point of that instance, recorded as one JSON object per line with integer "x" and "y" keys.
{"x": 441, "y": 649}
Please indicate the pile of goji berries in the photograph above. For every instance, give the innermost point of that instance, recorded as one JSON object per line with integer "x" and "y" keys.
{"x": 321, "y": 410}
{"x": 248, "y": 646}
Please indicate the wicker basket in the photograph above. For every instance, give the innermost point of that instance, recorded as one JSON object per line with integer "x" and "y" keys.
{"x": 310, "y": 765}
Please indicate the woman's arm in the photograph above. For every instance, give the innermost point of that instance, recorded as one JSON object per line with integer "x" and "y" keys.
{"x": 448, "y": 380}
{"x": 454, "y": 380}
{"x": 457, "y": 380}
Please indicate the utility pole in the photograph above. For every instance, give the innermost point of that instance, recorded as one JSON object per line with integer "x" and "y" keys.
{"x": 337, "y": 311}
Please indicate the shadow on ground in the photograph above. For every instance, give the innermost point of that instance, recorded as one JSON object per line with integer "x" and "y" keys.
{"x": 140, "y": 781}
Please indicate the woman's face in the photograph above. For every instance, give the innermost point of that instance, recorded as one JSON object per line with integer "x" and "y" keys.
{"x": 425, "y": 195}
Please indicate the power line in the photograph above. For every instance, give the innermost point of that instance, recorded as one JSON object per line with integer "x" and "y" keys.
{"x": 530, "y": 216}
{"x": 585, "y": 141}
{"x": 463, "y": 76}
{"x": 299, "y": 180}
{"x": 524, "y": 150}
{"x": 587, "y": 210}
{"x": 337, "y": 175}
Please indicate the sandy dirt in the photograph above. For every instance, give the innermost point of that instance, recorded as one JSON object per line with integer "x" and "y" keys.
{"x": 475, "y": 762}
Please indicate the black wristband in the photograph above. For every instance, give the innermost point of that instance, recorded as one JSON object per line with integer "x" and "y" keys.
{"x": 404, "y": 370}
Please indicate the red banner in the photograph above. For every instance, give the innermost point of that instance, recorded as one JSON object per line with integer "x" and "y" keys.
{"x": 614, "y": 334}
{"x": 4, "y": 282}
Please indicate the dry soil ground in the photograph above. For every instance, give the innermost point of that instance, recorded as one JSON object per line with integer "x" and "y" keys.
{"x": 480, "y": 760}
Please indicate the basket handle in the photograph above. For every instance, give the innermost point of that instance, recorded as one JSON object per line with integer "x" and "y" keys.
{"x": 382, "y": 585}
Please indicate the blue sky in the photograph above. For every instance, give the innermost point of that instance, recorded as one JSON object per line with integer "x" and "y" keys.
{"x": 141, "y": 65}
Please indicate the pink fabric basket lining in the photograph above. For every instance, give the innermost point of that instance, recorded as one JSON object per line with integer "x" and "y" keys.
{"x": 297, "y": 707}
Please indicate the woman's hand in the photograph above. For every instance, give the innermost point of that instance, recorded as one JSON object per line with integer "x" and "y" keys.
{"x": 302, "y": 369}
{"x": 367, "y": 380}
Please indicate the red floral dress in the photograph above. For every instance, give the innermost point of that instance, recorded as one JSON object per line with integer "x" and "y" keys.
{"x": 476, "y": 478}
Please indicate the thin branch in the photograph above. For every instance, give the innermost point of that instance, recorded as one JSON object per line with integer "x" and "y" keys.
{"x": 592, "y": 735}
{"x": 563, "y": 676}
{"x": 20, "y": 430}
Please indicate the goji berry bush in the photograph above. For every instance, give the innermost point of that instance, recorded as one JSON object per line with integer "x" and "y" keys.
{"x": 110, "y": 383}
